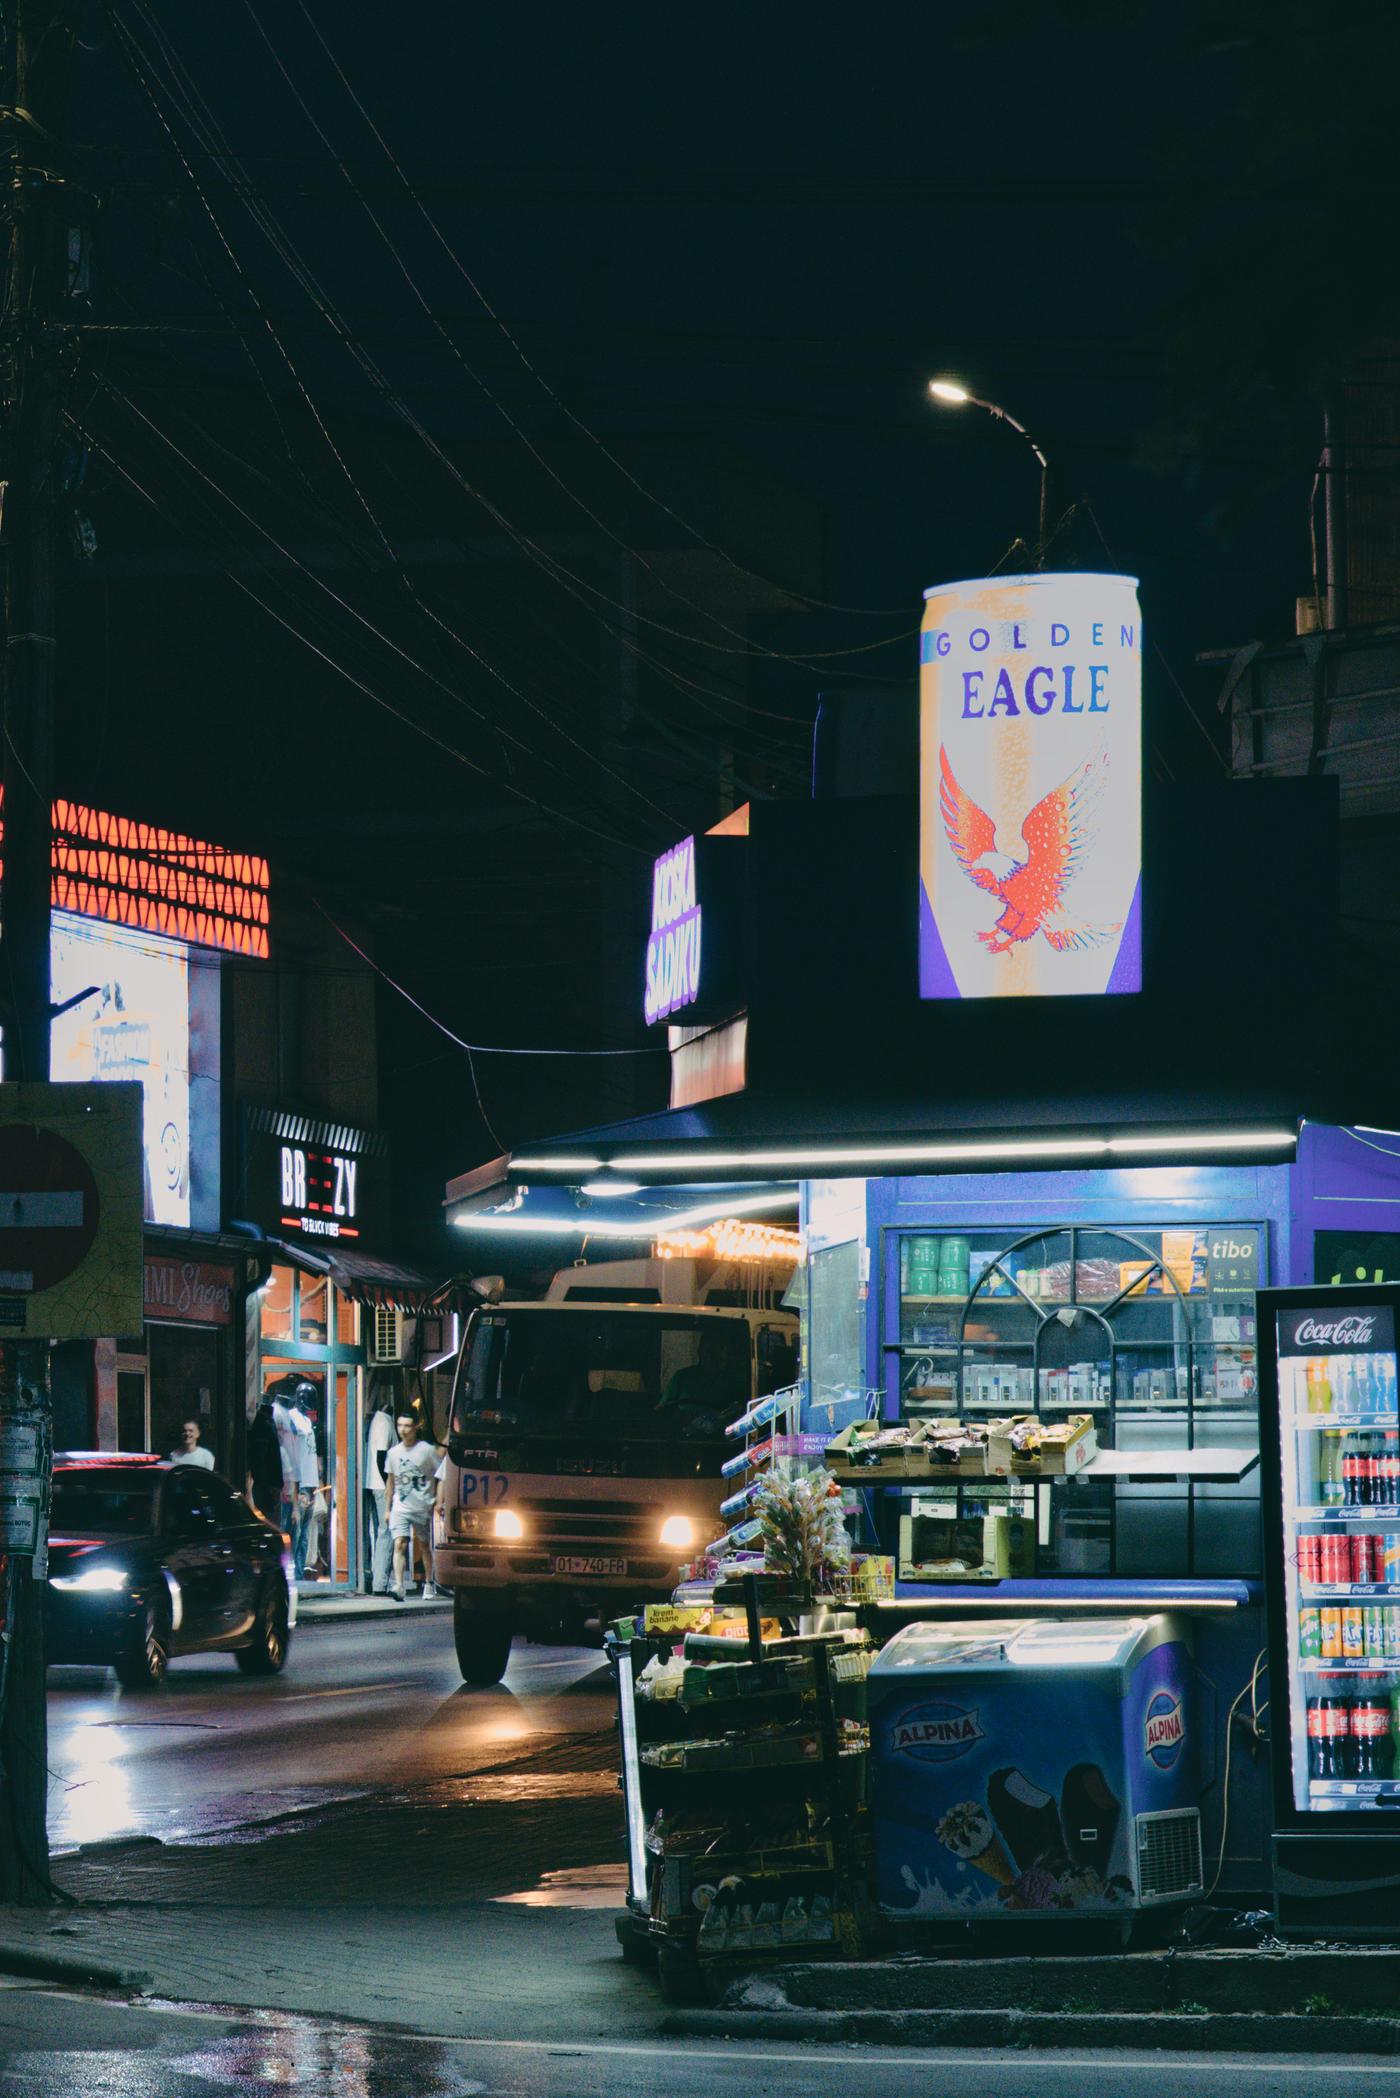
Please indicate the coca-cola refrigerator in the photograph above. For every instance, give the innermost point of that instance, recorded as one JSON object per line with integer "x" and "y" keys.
{"x": 1330, "y": 1467}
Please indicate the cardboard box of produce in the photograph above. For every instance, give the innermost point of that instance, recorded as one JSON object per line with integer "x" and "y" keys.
{"x": 1025, "y": 1447}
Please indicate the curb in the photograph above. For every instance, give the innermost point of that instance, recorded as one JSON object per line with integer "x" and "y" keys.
{"x": 1249, "y": 2032}
{"x": 31, "y": 1964}
{"x": 370, "y": 1609}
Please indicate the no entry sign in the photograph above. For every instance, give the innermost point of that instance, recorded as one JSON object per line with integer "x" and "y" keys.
{"x": 70, "y": 1211}
{"x": 49, "y": 1208}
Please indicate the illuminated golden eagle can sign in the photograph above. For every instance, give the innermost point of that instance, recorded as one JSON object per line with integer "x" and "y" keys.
{"x": 1030, "y": 824}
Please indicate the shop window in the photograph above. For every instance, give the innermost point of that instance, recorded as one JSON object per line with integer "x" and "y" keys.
{"x": 184, "y": 1378}
{"x": 835, "y": 1363}
{"x": 347, "y": 1320}
{"x": 277, "y": 1305}
{"x": 313, "y": 1310}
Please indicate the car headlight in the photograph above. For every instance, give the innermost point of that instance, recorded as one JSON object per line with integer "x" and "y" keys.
{"x": 98, "y": 1580}
{"x": 508, "y": 1524}
{"x": 679, "y": 1532}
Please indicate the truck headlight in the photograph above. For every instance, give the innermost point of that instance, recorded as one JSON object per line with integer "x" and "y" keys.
{"x": 679, "y": 1532}
{"x": 509, "y": 1525}
{"x": 98, "y": 1580}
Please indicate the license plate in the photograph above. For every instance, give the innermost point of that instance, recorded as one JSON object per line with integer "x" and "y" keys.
{"x": 577, "y": 1564}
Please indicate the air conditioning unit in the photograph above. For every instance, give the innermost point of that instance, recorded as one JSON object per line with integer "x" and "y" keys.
{"x": 385, "y": 1334}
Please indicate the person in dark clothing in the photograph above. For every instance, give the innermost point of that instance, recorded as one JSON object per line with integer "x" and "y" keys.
{"x": 264, "y": 1462}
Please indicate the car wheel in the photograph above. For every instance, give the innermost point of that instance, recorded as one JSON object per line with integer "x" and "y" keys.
{"x": 482, "y": 1638}
{"x": 143, "y": 1664}
{"x": 266, "y": 1651}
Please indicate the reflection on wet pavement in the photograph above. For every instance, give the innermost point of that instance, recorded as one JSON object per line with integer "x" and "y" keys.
{"x": 578, "y": 1887}
{"x": 279, "y": 2052}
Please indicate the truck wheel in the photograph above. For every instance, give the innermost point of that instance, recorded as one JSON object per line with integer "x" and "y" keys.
{"x": 482, "y": 1639}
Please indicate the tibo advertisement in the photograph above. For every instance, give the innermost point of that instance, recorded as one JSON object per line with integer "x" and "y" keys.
{"x": 1030, "y": 844}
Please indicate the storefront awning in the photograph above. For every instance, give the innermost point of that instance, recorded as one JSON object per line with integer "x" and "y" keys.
{"x": 746, "y": 1143}
{"x": 394, "y": 1288}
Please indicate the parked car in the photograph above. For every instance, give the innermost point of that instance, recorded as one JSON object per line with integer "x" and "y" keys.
{"x": 149, "y": 1559}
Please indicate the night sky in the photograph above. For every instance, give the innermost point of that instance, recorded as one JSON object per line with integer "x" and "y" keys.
{"x": 727, "y": 248}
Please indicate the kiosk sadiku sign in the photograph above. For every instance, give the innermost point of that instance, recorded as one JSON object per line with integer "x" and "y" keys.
{"x": 1031, "y": 788}
{"x": 673, "y": 950}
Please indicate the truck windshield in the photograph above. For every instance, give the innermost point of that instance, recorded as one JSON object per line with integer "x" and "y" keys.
{"x": 605, "y": 1373}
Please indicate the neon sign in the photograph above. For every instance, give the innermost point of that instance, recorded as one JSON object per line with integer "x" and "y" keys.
{"x": 673, "y": 951}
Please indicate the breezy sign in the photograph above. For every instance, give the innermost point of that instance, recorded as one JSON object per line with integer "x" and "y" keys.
{"x": 1030, "y": 843}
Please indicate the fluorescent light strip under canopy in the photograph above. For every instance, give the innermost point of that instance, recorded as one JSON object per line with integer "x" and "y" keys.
{"x": 1012, "y": 1149}
{"x": 655, "y": 1226}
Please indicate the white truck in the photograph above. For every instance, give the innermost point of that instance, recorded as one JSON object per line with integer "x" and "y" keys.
{"x": 585, "y": 1442}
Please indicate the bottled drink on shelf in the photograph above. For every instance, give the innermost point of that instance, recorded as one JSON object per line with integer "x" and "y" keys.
{"x": 1373, "y": 1748}
{"x": 1345, "y": 1394}
{"x": 1390, "y": 1469}
{"x": 1328, "y": 1736}
{"x": 1330, "y": 1487}
{"x": 1317, "y": 1386}
{"x": 1353, "y": 1472}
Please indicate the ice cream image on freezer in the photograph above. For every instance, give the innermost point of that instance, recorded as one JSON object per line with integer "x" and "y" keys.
{"x": 1028, "y": 1819}
{"x": 966, "y": 1830}
{"x": 1089, "y": 1814}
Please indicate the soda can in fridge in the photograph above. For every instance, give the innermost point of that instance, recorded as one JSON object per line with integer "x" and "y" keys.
{"x": 1353, "y": 1633}
{"x": 1309, "y": 1557}
{"x": 1365, "y": 1556}
{"x": 1330, "y": 1622}
{"x": 1392, "y": 1634}
{"x": 1374, "y": 1632}
{"x": 1390, "y": 1558}
{"x": 1336, "y": 1558}
{"x": 1309, "y": 1634}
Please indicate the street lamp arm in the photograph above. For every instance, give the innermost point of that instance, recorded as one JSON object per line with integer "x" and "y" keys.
{"x": 1004, "y": 415}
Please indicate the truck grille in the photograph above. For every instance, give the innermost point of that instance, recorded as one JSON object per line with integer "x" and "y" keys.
{"x": 1169, "y": 1854}
{"x": 591, "y": 1526}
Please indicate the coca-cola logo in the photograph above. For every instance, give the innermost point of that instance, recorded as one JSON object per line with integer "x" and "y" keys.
{"x": 1353, "y": 1331}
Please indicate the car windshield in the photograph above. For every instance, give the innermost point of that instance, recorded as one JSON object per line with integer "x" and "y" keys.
{"x": 102, "y": 1503}
{"x": 606, "y": 1373}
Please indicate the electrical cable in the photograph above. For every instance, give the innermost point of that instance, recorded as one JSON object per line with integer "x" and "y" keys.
{"x": 819, "y": 604}
{"x": 1250, "y": 1689}
{"x": 543, "y": 808}
{"x": 296, "y": 265}
{"x": 473, "y": 1048}
{"x": 341, "y": 462}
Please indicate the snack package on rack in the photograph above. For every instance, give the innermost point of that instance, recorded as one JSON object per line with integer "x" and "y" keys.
{"x": 1025, "y": 1445}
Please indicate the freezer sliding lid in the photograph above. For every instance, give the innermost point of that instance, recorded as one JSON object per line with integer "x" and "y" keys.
{"x": 1019, "y": 1642}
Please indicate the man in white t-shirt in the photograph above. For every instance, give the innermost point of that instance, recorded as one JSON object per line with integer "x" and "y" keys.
{"x": 191, "y": 1450}
{"x": 410, "y": 1496}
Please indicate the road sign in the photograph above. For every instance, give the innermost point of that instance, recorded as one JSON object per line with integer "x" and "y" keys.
{"x": 70, "y": 1211}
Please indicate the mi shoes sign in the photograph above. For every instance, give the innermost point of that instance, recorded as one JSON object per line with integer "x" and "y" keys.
{"x": 1030, "y": 842}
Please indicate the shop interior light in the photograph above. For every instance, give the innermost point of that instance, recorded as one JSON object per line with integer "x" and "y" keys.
{"x": 678, "y": 1531}
{"x": 509, "y": 1525}
{"x": 645, "y": 1226}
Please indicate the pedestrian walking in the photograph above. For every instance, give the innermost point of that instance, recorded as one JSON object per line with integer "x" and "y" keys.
{"x": 191, "y": 1450}
{"x": 410, "y": 1497}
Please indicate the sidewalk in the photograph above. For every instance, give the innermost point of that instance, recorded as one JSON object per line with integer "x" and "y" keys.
{"x": 318, "y": 1605}
{"x": 480, "y": 1907}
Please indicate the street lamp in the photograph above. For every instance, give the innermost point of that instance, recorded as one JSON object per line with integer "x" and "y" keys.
{"x": 955, "y": 396}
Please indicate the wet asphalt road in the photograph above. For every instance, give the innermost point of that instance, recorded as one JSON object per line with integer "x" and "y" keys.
{"x": 53, "y": 2045}
{"x": 360, "y": 1707}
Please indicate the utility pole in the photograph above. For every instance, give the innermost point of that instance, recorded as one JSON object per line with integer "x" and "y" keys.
{"x": 41, "y": 35}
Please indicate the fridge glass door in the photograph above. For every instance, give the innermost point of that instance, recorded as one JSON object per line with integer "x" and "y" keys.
{"x": 1340, "y": 1452}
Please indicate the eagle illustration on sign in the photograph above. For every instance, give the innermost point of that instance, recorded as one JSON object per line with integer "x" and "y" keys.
{"x": 1059, "y": 833}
